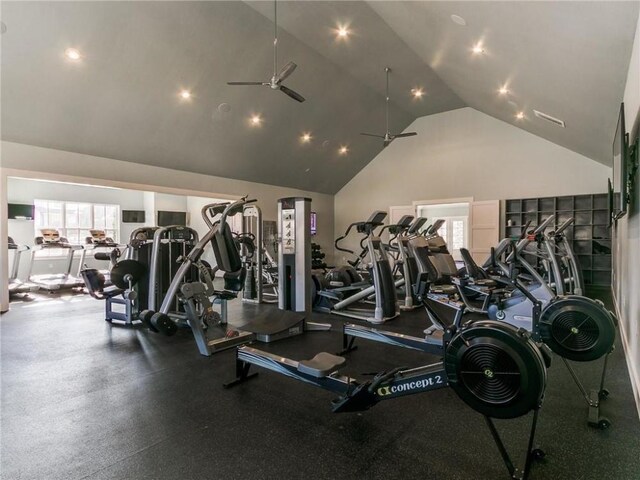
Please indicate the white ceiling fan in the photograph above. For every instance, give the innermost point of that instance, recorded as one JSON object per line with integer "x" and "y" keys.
{"x": 388, "y": 137}
{"x": 278, "y": 77}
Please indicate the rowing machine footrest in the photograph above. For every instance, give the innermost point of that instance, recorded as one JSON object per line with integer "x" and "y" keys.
{"x": 321, "y": 365}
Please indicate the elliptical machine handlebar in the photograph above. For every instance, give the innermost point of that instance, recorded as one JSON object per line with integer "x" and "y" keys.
{"x": 563, "y": 227}
{"x": 375, "y": 220}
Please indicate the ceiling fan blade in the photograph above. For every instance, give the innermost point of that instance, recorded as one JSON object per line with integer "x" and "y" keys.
{"x": 286, "y": 71}
{"x": 408, "y": 134}
{"x": 247, "y": 83}
{"x": 291, "y": 93}
{"x": 371, "y": 135}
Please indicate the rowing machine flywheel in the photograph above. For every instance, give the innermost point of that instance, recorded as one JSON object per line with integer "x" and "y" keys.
{"x": 577, "y": 328}
{"x": 496, "y": 369}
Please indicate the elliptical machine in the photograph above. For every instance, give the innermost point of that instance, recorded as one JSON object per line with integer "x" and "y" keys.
{"x": 340, "y": 301}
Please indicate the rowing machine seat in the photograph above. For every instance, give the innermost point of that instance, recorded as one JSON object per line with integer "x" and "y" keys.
{"x": 321, "y": 365}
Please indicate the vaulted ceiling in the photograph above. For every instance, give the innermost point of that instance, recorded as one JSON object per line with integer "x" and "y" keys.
{"x": 567, "y": 59}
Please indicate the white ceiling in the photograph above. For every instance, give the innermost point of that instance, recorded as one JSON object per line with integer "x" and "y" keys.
{"x": 567, "y": 59}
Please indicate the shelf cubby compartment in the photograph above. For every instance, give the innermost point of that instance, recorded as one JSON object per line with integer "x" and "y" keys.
{"x": 584, "y": 261}
{"x": 542, "y": 216}
{"x": 582, "y": 232}
{"x": 601, "y": 232}
{"x": 582, "y": 247}
{"x": 547, "y": 204}
{"x": 514, "y": 206}
{"x": 600, "y": 202}
{"x": 514, "y": 232}
{"x": 562, "y": 217}
{"x": 601, "y": 217}
{"x": 601, "y": 278}
{"x": 583, "y": 202}
{"x": 564, "y": 203}
{"x": 582, "y": 218}
{"x": 601, "y": 247}
{"x": 586, "y": 274}
{"x": 601, "y": 262}
{"x": 516, "y": 218}
{"x": 530, "y": 205}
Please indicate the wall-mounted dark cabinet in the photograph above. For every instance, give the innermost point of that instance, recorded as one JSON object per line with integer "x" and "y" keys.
{"x": 589, "y": 233}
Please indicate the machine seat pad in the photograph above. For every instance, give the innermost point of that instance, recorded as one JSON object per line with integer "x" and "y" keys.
{"x": 486, "y": 282}
{"x": 112, "y": 291}
{"x": 321, "y": 365}
{"x": 444, "y": 289}
{"x": 271, "y": 321}
{"x": 224, "y": 295}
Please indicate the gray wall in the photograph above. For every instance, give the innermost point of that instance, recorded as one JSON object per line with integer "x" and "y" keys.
{"x": 465, "y": 153}
{"x": 626, "y": 249}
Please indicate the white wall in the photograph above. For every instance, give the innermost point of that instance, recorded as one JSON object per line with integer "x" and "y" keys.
{"x": 626, "y": 245}
{"x": 37, "y": 162}
{"x": 465, "y": 153}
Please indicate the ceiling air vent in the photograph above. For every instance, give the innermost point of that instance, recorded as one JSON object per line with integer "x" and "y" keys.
{"x": 549, "y": 118}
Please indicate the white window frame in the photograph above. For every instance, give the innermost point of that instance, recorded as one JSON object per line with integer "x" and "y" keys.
{"x": 449, "y": 237}
{"x": 63, "y": 229}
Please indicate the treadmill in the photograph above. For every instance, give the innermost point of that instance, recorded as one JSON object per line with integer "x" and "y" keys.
{"x": 104, "y": 248}
{"x": 50, "y": 239}
{"x": 17, "y": 286}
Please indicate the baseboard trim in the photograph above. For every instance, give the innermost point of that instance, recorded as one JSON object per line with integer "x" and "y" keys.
{"x": 631, "y": 366}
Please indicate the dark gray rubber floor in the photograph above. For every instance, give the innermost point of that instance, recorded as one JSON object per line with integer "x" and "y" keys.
{"x": 84, "y": 400}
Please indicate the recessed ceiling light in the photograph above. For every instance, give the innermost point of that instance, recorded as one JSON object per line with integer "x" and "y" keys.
{"x": 478, "y": 49}
{"x": 306, "y": 137}
{"x": 255, "y": 120}
{"x": 520, "y": 115}
{"x": 343, "y": 150}
{"x": 224, "y": 108}
{"x": 417, "y": 92}
{"x": 458, "y": 20}
{"x": 72, "y": 54}
{"x": 185, "y": 94}
{"x": 503, "y": 90}
{"x": 343, "y": 31}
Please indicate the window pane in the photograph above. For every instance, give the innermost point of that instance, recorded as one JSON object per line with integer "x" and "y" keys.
{"x": 111, "y": 216}
{"x": 84, "y": 215}
{"x": 112, "y": 234}
{"x": 442, "y": 231}
{"x": 55, "y": 215}
{"x": 98, "y": 217}
{"x": 83, "y": 236}
{"x": 72, "y": 235}
{"x": 72, "y": 215}
{"x": 457, "y": 234}
{"x": 40, "y": 220}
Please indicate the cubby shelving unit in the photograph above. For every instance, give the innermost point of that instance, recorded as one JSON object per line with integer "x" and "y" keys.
{"x": 589, "y": 234}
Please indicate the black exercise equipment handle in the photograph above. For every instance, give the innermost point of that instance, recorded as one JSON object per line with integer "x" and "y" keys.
{"x": 524, "y": 231}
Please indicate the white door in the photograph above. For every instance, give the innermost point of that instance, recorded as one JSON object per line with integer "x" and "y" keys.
{"x": 484, "y": 231}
